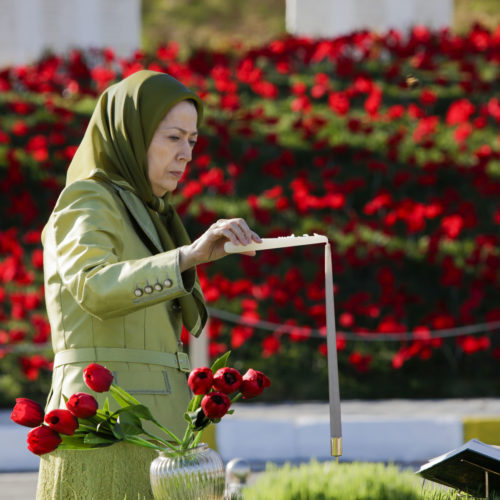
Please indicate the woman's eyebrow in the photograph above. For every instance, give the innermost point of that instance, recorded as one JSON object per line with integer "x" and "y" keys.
{"x": 185, "y": 131}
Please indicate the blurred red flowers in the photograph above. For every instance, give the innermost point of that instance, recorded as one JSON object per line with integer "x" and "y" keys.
{"x": 330, "y": 136}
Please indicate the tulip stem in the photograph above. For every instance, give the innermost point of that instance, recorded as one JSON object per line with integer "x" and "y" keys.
{"x": 162, "y": 441}
{"x": 197, "y": 439}
{"x": 238, "y": 396}
{"x": 195, "y": 402}
{"x": 166, "y": 431}
{"x": 139, "y": 441}
{"x": 188, "y": 436}
{"x": 143, "y": 442}
{"x": 90, "y": 428}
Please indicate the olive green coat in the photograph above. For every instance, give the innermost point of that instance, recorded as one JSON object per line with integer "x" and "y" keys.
{"x": 105, "y": 289}
{"x": 111, "y": 299}
{"x": 113, "y": 294}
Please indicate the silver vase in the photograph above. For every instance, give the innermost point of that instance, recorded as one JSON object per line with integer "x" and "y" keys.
{"x": 195, "y": 474}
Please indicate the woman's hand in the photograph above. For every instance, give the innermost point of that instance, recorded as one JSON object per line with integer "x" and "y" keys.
{"x": 210, "y": 245}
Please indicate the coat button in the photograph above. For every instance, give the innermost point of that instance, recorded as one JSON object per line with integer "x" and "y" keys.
{"x": 158, "y": 287}
{"x": 148, "y": 289}
{"x": 137, "y": 292}
{"x": 168, "y": 283}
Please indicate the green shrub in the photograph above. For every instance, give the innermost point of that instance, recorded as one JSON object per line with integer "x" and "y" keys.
{"x": 354, "y": 481}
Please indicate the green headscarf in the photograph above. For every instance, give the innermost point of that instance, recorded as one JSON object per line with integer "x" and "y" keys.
{"x": 114, "y": 149}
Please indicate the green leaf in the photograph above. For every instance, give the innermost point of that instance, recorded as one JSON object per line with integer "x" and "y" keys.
{"x": 105, "y": 406}
{"x": 118, "y": 431}
{"x": 140, "y": 411}
{"x": 84, "y": 428}
{"x": 103, "y": 415}
{"x": 121, "y": 401}
{"x": 220, "y": 362}
{"x": 191, "y": 417}
{"x": 65, "y": 399}
{"x": 127, "y": 424}
{"x": 96, "y": 439}
{"x": 197, "y": 419}
{"x": 144, "y": 412}
{"x": 77, "y": 442}
{"x": 104, "y": 427}
{"x": 122, "y": 395}
{"x": 195, "y": 402}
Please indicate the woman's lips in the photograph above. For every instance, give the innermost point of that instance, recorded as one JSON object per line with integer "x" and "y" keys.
{"x": 176, "y": 173}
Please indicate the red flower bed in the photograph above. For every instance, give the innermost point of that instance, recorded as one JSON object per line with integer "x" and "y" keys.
{"x": 388, "y": 144}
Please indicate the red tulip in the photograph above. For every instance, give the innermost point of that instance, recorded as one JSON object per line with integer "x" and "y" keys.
{"x": 62, "y": 421}
{"x": 361, "y": 362}
{"x": 82, "y": 405}
{"x": 215, "y": 405}
{"x": 27, "y": 412}
{"x": 254, "y": 382}
{"x": 227, "y": 380}
{"x": 97, "y": 377}
{"x": 200, "y": 380}
{"x": 42, "y": 440}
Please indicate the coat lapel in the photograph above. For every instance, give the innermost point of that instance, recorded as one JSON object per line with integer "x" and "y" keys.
{"x": 141, "y": 216}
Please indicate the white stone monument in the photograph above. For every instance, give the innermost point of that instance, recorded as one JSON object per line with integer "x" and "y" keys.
{"x": 331, "y": 18}
{"x": 28, "y": 27}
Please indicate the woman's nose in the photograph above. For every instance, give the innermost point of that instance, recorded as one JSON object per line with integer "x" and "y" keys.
{"x": 186, "y": 152}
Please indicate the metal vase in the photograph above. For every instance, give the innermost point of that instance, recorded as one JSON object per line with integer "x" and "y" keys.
{"x": 194, "y": 474}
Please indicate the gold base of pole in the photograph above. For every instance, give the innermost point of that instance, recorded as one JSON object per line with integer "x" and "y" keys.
{"x": 336, "y": 444}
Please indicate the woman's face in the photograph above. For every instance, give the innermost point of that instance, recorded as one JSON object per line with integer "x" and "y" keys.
{"x": 171, "y": 147}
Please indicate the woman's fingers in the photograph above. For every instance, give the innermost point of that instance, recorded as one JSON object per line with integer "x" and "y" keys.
{"x": 210, "y": 245}
{"x": 225, "y": 227}
{"x": 256, "y": 237}
{"x": 236, "y": 227}
{"x": 228, "y": 234}
{"x": 239, "y": 232}
{"x": 250, "y": 235}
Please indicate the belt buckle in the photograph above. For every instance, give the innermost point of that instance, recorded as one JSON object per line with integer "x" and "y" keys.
{"x": 183, "y": 362}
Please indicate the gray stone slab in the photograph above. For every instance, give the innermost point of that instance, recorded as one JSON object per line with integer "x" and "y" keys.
{"x": 18, "y": 486}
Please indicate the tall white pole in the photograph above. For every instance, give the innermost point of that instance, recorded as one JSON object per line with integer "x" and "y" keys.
{"x": 198, "y": 349}
{"x": 333, "y": 371}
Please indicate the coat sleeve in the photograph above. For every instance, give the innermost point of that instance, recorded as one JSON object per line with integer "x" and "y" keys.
{"x": 87, "y": 231}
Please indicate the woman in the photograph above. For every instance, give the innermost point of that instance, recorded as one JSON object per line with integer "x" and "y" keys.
{"x": 120, "y": 278}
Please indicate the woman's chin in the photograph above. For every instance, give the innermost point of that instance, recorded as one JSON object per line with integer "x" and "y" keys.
{"x": 167, "y": 187}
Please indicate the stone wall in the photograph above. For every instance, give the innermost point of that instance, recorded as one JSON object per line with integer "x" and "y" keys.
{"x": 29, "y": 27}
{"x": 330, "y": 18}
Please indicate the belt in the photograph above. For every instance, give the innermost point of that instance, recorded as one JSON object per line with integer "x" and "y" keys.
{"x": 179, "y": 360}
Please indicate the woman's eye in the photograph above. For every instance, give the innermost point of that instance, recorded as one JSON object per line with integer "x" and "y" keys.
{"x": 192, "y": 143}
{"x": 173, "y": 137}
